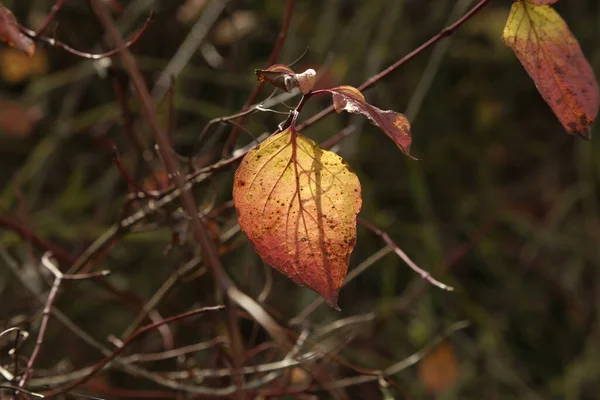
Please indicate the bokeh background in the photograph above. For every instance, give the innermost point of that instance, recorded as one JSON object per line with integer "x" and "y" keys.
{"x": 503, "y": 204}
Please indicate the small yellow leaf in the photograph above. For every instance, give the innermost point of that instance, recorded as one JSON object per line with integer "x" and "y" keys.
{"x": 552, "y": 57}
{"x": 297, "y": 203}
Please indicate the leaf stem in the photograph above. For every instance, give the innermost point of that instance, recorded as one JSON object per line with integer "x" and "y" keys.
{"x": 256, "y": 91}
{"x": 369, "y": 83}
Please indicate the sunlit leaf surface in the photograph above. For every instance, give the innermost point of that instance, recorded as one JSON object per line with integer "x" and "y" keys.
{"x": 297, "y": 203}
{"x": 552, "y": 57}
{"x": 393, "y": 124}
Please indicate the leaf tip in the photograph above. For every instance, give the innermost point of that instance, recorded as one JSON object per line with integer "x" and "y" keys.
{"x": 332, "y": 301}
{"x": 29, "y": 48}
{"x": 585, "y": 133}
{"x": 407, "y": 152}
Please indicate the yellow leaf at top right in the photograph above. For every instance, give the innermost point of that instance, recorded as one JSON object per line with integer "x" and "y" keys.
{"x": 553, "y": 58}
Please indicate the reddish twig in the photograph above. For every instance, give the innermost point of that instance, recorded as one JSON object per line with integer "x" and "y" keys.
{"x": 256, "y": 91}
{"x": 424, "y": 274}
{"x": 192, "y": 348}
{"x": 117, "y": 162}
{"x": 98, "y": 366}
{"x": 123, "y": 393}
{"x": 171, "y": 109}
{"x": 129, "y": 129}
{"x": 40, "y": 243}
{"x": 372, "y": 81}
{"x": 209, "y": 251}
{"x": 58, "y": 277}
{"x": 82, "y": 54}
{"x": 51, "y": 15}
{"x": 6, "y": 386}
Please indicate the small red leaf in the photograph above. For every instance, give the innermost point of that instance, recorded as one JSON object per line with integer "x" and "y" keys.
{"x": 393, "y": 124}
{"x": 297, "y": 204}
{"x": 552, "y": 57}
{"x": 9, "y": 32}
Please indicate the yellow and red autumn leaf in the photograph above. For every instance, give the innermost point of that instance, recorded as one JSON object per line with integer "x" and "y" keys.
{"x": 552, "y": 57}
{"x": 10, "y": 33}
{"x": 297, "y": 204}
{"x": 393, "y": 124}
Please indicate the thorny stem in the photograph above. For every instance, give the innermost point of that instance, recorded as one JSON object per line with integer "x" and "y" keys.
{"x": 369, "y": 83}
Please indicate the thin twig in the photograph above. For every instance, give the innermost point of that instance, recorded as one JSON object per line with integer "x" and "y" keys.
{"x": 287, "y": 17}
{"x": 424, "y": 274}
{"x": 188, "y": 48}
{"x": 50, "y": 17}
{"x": 98, "y": 366}
{"x": 209, "y": 251}
{"x": 369, "y": 83}
{"x": 58, "y": 277}
{"x": 395, "y": 368}
{"x": 192, "y": 348}
{"x": 6, "y": 386}
{"x": 360, "y": 268}
{"x": 49, "y": 264}
{"x": 82, "y": 54}
{"x": 159, "y": 294}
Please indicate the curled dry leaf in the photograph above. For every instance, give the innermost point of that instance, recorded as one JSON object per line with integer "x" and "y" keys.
{"x": 297, "y": 204}
{"x": 10, "y": 33}
{"x": 284, "y": 78}
{"x": 393, "y": 124}
{"x": 552, "y": 57}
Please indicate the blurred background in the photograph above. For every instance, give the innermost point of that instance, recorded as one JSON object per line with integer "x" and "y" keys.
{"x": 503, "y": 205}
